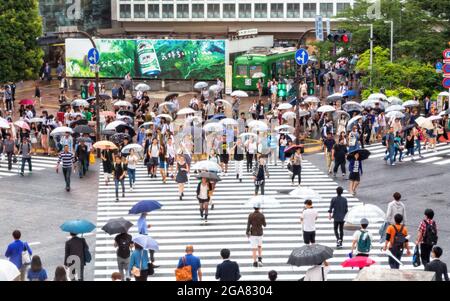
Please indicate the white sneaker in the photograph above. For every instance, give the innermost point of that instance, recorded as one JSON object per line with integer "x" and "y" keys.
{"x": 131, "y": 189}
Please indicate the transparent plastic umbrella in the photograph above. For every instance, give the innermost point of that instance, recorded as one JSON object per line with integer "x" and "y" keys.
{"x": 371, "y": 212}
{"x": 263, "y": 201}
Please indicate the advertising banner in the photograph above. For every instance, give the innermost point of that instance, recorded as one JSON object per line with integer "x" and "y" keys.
{"x": 149, "y": 59}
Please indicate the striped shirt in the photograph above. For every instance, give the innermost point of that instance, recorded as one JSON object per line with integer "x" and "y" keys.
{"x": 67, "y": 159}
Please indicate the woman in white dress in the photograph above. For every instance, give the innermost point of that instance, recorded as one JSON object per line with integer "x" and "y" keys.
{"x": 341, "y": 124}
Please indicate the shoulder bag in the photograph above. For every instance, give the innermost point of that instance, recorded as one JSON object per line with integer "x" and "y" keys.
{"x": 26, "y": 258}
{"x": 184, "y": 273}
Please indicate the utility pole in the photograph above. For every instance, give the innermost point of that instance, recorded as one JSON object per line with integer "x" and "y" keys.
{"x": 371, "y": 51}
{"x": 392, "y": 38}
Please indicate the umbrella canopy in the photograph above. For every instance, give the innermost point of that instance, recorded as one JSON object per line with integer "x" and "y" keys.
{"x": 137, "y": 148}
{"x": 339, "y": 113}
{"x": 61, "y": 131}
{"x": 434, "y": 118}
{"x": 311, "y": 99}
{"x": 80, "y": 103}
{"x": 145, "y": 206}
{"x": 78, "y": 122}
{"x": 207, "y": 165}
{"x": 305, "y": 193}
{"x": 291, "y": 150}
{"x": 4, "y": 124}
{"x": 27, "y": 102}
{"x": 260, "y": 127}
{"x": 444, "y": 94}
{"x": 310, "y": 255}
{"x": 372, "y": 103}
{"x": 411, "y": 103}
{"x": 146, "y": 242}
{"x": 262, "y": 201}
{"x": 335, "y": 97}
{"x": 394, "y": 100}
{"x": 37, "y": 120}
{"x": 84, "y": 139}
{"x": 8, "y": 270}
{"x": 171, "y": 96}
{"x": 200, "y": 85}
{"x": 219, "y": 116}
{"x": 377, "y": 96}
{"x": 78, "y": 226}
{"x": 125, "y": 127}
{"x": 104, "y": 96}
{"x": 363, "y": 154}
{"x": 447, "y": 112}
{"x": 165, "y": 116}
{"x": 170, "y": 105}
{"x": 352, "y": 121}
{"x": 209, "y": 176}
{"x": 122, "y": 103}
{"x": 108, "y": 113}
{"x": 126, "y": 113}
{"x": 424, "y": 123}
{"x": 147, "y": 124}
{"x": 248, "y": 135}
{"x": 83, "y": 129}
{"x": 358, "y": 262}
{"x": 284, "y": 127}
{"x": 350, "y": 93}
{"x": 22, "y": 124}
{"x": 118, "y": 138}
{"x": 326, "y": 109}
{"x": 223, "y": 101}
{"x": 125, "y": 118}
{"x": 289, "y": 115}
{"x": 352, "y": 106}
{"x": 395, "y": 115}
{"x": 214, "y": 88}
{"x": 117, "y": 226}
{"x": 142, "y": 87}
{"x": 258, "y": 75}
{"x": 395, "y": 108}
{"x": 113, "y": 125}
{"x": 371, "y": 212}
{"x": 213, "y": 127}
{"x": 186, "y": 111}
{"x": 255, "y": 123}
{"x": 229, "y": 121}
{"x": 239, "y": 93}
{"x": 285, "y": 106}
{"x": 104, "y": 144}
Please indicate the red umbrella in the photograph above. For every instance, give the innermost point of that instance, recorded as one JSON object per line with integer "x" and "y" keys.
{"x": 291, "y": 150}
{"x": 27, "y": 102}
{"x": 358, "y": 262}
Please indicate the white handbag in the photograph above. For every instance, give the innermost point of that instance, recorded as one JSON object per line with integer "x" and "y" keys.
{"x": 26, "y": 258}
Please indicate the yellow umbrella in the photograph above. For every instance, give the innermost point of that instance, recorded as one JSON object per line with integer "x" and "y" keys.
{"x": 104, "y": 144}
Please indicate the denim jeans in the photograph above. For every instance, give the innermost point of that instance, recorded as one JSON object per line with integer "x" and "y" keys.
{"x": 390, "y": 155}
{"x": 23, "y": 164}
{"x": 396, "y": 152}
{"x": 131, "y": 176}
{"x": 418, "y": 146}
{"x": 82, "y": 167}
{"x": 67, "y": 172}
{"x": 116, "y": 183}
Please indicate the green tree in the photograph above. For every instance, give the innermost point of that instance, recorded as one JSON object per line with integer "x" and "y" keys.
{"x": 20, "y": 26}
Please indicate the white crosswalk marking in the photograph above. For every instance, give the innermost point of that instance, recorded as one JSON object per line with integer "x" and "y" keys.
{"x": 178, "y": 224}
{"x": 39, "y": 163}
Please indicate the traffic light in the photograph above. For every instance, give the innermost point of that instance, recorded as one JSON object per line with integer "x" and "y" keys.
{"x": 282, "y": 92}
{"x": 311, "y": 89}
{"x": 340, "y": 36}
{"x": 84, "y": 91}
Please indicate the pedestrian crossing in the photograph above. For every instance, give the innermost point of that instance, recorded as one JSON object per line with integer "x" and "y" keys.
{"x": 178, "y": 224}
{"x": 39, "y": 163}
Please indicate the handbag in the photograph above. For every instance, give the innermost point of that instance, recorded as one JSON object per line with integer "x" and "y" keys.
{"x": 26, "y": 258}
{"x": 184, "y": 273}
{"x": 135, "y": 271}
{"x": 416, "y": 257}
{"x": 91, "y": 158}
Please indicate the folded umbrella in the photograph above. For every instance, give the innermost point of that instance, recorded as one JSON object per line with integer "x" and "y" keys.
{"x": 117, "y": 226}
{"x": 8, "y": 271}
{"x": 77, "y": 226}
{"x": 363, "y": 154}
{"x": 83, "y": 129}
{"x": 358, "y": 262}
{"x": 146, "y": 242}
{"x": 145, "y": 206}
{"x": 310, "y": 255}
{"x": 209, "y": 176}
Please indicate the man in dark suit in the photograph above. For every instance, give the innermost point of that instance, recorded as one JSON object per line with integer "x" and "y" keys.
{"x": 227, "y": 270}
{"x": 427, "y": 105}
{"x": 437, "y": 266}
{"x": 76, "y": 246}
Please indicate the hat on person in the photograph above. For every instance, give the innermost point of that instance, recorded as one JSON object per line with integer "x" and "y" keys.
{"x": 364, "y": 221}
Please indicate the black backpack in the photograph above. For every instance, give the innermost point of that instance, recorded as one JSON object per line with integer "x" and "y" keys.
{"x": 399, "y": 238}
{"x": 123, "y": 244}
{"x": 430, "y": 236}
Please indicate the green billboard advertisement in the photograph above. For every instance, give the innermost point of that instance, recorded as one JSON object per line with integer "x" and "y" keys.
{"x": 152, "y": 59}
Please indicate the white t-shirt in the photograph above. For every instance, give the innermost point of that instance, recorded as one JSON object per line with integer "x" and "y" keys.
{"x": 356, "y": 237}
{"x": 309, "y": 216}
{"x": 154, "y": 149}
{"x": 203, "y": 192}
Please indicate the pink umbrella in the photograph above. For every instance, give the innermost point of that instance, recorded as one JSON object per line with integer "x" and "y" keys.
{"x": 22, "y": 124}
{"x": 358, "y": 262}
{"x": 27, "y": 102}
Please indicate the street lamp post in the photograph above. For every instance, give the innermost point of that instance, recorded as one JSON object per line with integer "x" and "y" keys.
{"x": 392, "y": 38}
{"x": 371, "y": 50}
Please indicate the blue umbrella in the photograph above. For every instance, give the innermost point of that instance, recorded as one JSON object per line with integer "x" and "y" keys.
{"x": 145, "y": 206}
{"x": 350, "y": 93}
{"x": 219, "y": 116}
{"x": 77, "y": 226}
{"x": 146, "y": 242}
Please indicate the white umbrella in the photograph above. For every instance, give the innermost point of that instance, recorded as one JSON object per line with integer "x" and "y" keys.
{"x": 206, "y": 165}
{"x": 112, "y": 126}
{"x": 61, "y": 131}
{"x": 326, "y": 109}
{"x": 411, "y": 103}
{"x": 260, "y": 128}
{"x": 142, "y": 87}
{"x": 229, "y": 121}
{"x": 377, "y": 96}
{"x": 258, "y": 75}
{"x": 147, "y": 124}
{"x": 226, "y": 102}
{"x": 394, "y": 100}
{"x": 122, "y": 117}
{"x": 213, "y": 127}
{"x": 186, "y": 111}
{"x": 80, "y": 103}
{"x": 200, "y": 85}
{"x": 122, "y": 103}
{"x": 214, "y": 88}
{"x": 37, "y": 120}
{"x": 304, "y": 113}
{"x": 8, "y": 270}
{"x": 424, "y": 123}
{"x": 373, "y": 102}
{"x": 311, "y": 99}
{"x": 263, "y": 201}
{"x": 335, "y": 97}
{"x": 371, "y": 212}
{"x": 352, "y": 106}
{"x": 239, "y": 93}
{"x": 352, "y": 121}
{"x": 434, "y": 117}
{"x": 286, "y": 134}
{"x": 245, "y": 135}
{"x": 395, "y": 115}
{"x": 289, "y": 115}
{"x": 254, "y": 123}
{"x": 395, "y": 108}
{"x": 285, "y": 106}
{"x": 165, "y": 116}
{"x": 444, "y": 94}
{"x": 364, "y": 103}
{"x": 137, "y": 148}
{"x": 443, "y": 113}
{"x": 4, "y": 124}
{"x": 284, "y": 127}
{"x": 304, "y": 193}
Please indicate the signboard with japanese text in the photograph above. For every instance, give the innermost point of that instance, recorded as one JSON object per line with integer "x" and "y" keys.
{"x": 157, "y": 59}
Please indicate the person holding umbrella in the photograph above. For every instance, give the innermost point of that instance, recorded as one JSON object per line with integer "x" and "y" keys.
{"x": 355, "y": 169}
{"x": 119, "y": 174}
{"x": 182, "y": 174}
{"x": 107, "y": 157}
{"x": 296, "y": 161}
{"x": 260, "y": 172}
{"x": 238, "y": 154}
{"x": 139, "y": 263}
{"x": 78, "y": 247}
{"x": 132, "y": 160}
{"x": 204, "y": 192}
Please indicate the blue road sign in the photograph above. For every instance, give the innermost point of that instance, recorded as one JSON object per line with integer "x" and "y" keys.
{"x": 93, "y": 56}
{"x": 446, "y": 83}
{"x": 302, "y": 56}
{"x": 446, "y": 68}
{"x": 319, "y": 28}
{"x": 439, "y": 66}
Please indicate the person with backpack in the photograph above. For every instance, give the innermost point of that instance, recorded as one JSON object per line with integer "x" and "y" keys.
{"x": 124, "y": 243}
{"x": 396, "y": 241}
{"x": 338, "y": 210}
{"x": 19, "y": 252}
{"x": 427, "y": 236}
{"x": 362, "y": 240}
{"x": 395, "y": 207}
{"x": 25, "y": 150}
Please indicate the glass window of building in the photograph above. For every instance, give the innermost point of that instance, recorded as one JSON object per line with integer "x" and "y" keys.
{"x": 242, "y": 70}
{"x": 340, "y": 7}
{"x": 293, "y": 10}
{"x": 167, "y": 11}
{"x": 245, "y": 11}
{"x": 213, "y": 10}
{"x": 309, "y": 10}
{"x": 139, "y": 11}
{"x": 183, "y": 11}
{"x": 255, "y": 69}
{"x": 125, "y": 11}
{"x": 198, "y": 11}
{"x": 153, "y": 11}
{"x": 260, "y": 10}
{"x": 277, "y": 10}
{"x": 326, "y": 9}
{"x": 229, "y": 11}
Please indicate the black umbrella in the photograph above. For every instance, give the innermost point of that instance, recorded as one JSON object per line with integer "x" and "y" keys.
{"x": 84, "y": 139}
{"x": 83, "y": 129}
{"x": 127, "y": 113}
{"x": 117, "y": 225}
{"x": 171, "y": 96}
{"x": 310, "y": 255}
{"x": 291, "y": 150}
{"x": 78, "y": 122}
{"x": 210, "y": 176}
{"x": 363, "y": 154}
{"x": 118, "y": 138}
{"x": 408, "y": 127}
{"x": 121, "y": 129}
{"x": 65, "y": 103}
{"x": 105, "y": 97}
{"x": 108, "y": 132}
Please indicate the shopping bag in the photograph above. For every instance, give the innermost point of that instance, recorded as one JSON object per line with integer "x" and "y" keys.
{"x": 91, "y": 159}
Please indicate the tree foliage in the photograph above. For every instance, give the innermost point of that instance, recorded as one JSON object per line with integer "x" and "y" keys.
{"x": 20, "y": 26}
